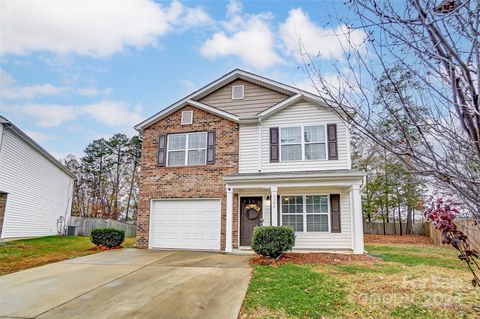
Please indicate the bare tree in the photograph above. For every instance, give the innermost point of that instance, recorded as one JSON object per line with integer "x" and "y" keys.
{"x": 433, "y": 48}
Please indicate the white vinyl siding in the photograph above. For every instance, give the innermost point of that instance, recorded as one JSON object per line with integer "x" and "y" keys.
{"x": 304, "y": 114}
{"x": 39, "y": 192}
{"x": 185, "y": 224}
{"x": 327, "y": 240}
{"x": 249, "y": 148}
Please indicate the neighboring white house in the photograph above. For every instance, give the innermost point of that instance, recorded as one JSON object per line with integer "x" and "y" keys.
{"x": 35, "y": 189}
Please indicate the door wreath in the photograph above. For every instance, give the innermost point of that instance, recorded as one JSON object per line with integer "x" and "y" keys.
{"x": 252, "y": 211}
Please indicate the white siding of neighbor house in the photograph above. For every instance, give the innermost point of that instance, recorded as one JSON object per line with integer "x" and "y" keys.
{"x": 323, "y": 240}
{"x": 39, "y": 192}
{"x": 302, "y": 113}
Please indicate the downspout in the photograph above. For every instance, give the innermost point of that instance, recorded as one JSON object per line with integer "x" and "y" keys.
{"x": 260, "y": 145}
{"x": 69, "y": 203}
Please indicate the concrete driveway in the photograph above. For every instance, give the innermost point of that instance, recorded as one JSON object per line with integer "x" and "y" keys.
{"x": 129, "y": 283}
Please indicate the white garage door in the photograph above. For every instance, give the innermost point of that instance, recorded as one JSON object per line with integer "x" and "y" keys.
{"x": 185, "y": 224}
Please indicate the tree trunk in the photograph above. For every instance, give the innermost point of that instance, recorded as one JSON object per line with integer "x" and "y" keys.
{"x": 383, "y": 221}
{"x": 132, "y": 181}
{"x": 409, "y": 228}
{"x": 400, "y": 220}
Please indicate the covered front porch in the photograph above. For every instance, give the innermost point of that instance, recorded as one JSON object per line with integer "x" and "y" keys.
{"x": 323, "y": 207}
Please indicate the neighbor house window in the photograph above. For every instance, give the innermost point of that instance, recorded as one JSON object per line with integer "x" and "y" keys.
{"x": 310, "y": 147}
{"x": 187, "y": 149}
{"x": 291, "y": 143}
{"x": 308, "y": 213}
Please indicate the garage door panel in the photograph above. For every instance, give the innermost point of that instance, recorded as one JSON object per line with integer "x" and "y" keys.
{"x": 186, "y": 224}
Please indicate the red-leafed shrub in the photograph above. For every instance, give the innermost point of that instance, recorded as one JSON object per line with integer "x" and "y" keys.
{"x": 442, "y": 212}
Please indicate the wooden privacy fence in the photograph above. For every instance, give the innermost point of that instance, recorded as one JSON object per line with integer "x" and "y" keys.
{"x": 467, "y": 227}
{"x": 377, "y": 228}
{"x": 86, "y": 225}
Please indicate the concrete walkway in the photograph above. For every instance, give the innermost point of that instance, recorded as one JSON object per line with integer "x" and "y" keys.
{"x": 129, "y": 283}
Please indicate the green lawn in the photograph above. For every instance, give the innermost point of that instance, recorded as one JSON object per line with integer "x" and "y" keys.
{"x": 411, "y": 282}
{"x": 27, "y": 253}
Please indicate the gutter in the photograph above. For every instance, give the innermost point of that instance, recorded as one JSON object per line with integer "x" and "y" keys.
{"x": 270, "y": 178}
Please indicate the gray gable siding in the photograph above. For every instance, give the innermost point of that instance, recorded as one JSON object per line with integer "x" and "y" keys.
{"x": 257, "y": 99}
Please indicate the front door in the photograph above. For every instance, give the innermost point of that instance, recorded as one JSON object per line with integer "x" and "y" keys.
{"x": 250, "y": 216}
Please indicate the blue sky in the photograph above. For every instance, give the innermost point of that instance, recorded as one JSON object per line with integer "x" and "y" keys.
{"x": 75, "y": 71}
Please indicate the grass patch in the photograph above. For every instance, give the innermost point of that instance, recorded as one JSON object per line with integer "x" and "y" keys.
{"x": 27, "y": 253}
{"x": 375, "y": 269}
{"x": 296, "y": 290}
{"x": 410, "y": 255}
{"x": 426, "y": 282}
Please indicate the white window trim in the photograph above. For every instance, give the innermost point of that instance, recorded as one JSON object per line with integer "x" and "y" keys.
{"x": 191, "y": 118}
{"x": 243, "y": 92}
{"x": 186, "y": 149}
{"x": 302, "y": 141}
{"x": 305, "y": 214}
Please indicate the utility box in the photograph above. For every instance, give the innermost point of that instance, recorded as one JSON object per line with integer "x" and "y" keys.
{"x": 72, "y": 230}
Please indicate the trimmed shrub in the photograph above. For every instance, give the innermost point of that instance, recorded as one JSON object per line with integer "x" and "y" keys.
{"x": 273, "y": 241}
{"x": 108, "y": 237}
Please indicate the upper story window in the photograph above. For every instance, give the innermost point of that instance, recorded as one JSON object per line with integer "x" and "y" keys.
{"x": 187, "y": 117}
{"x": 187, "y": 149}
{"x": 238, "y": 92}
{"x": 303, "y": 143}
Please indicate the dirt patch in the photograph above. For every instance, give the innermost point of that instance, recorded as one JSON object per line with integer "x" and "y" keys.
{"x": 405, "y": 239}
{"x": 104, "y": 248}
{"x": 313, "y": 258}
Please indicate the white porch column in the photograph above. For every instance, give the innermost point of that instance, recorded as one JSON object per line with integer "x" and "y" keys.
{"x": 273, "y": 200}
{"x": 357, "y": 220}
{"x": 229, "y": 221}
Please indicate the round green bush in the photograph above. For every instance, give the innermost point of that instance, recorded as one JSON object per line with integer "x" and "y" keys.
{"x": 273, "y": 241}
{"x": 108, "y": 237}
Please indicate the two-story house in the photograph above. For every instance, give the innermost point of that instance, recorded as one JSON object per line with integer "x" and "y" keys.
{"x": 245, "y": 151}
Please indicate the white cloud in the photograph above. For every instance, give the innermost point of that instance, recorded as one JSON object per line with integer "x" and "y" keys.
{"x": 93, "y": 91}
{"x": 110, "y": 113}
{"x": 248, "y": 37}
{"x": 114, "y": 113}
{"x": 10, "y": 89}
{"x": 300, "y": 35}
{"x": 40, "y": 137}
{"x": 30, "y": 91}
{"x": 94, "y": 28}
{"x": 47, "y": 115}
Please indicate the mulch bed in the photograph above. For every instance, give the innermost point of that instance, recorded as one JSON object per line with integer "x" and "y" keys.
{"x": 391, "y": 239}
{"x": 313, "y": 258}
{"x": 104, "y": 248}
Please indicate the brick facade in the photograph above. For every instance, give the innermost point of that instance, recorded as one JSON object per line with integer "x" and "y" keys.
{"x": 204, "y": 181}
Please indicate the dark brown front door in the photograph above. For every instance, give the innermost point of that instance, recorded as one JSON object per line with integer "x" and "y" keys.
{"x": 249, "y": 218}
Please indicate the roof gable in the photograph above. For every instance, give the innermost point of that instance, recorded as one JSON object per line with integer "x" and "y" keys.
{"x": 201, "y": 95}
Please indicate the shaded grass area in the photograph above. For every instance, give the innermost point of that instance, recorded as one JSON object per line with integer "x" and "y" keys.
{"x": 27, "y": 253}
{"x": 413, "y": 282}
{"x": 303, "y": 292}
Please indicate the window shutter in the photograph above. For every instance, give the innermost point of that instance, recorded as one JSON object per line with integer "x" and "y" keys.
{"x": 332, "y": 141}
{"x": 335, "y": 213}
{"x": 211, "y": 147}
{"x": 274, "y": 147}
{"x": 162, "y": 150}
